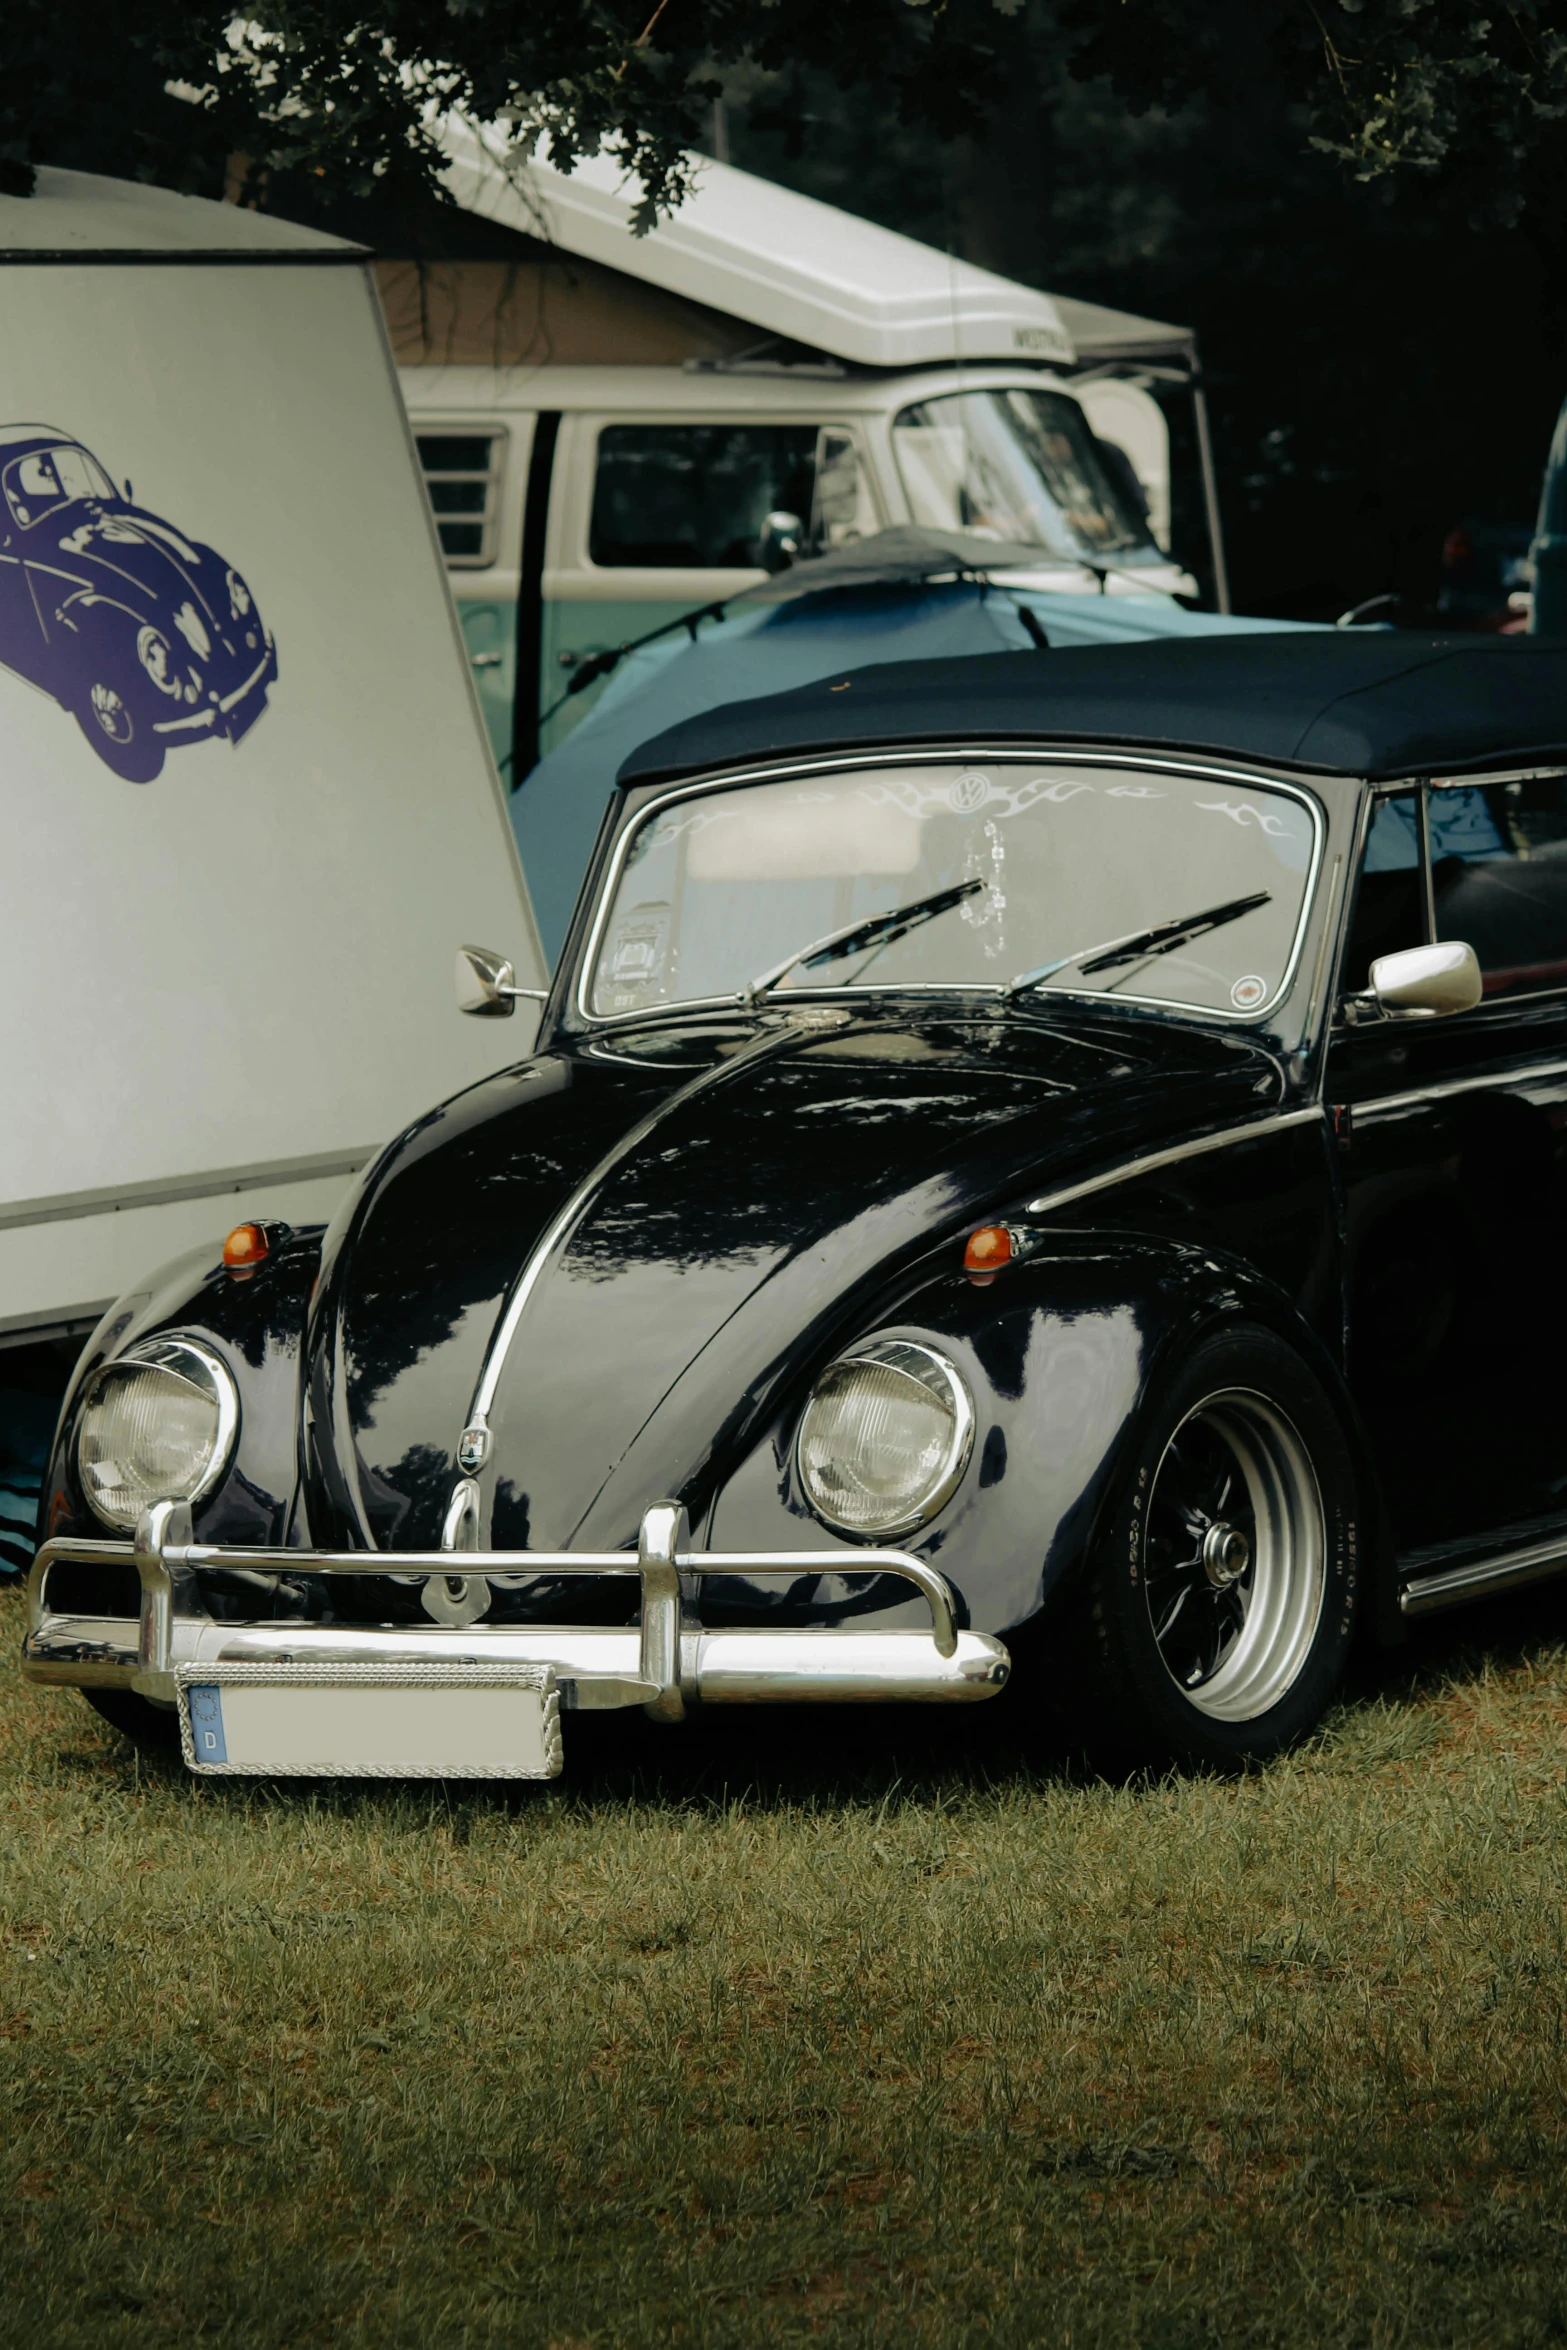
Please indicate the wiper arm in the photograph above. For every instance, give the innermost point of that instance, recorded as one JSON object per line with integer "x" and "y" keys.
{"x": 876, "y": 930}
{"x": 1138, "y": 945}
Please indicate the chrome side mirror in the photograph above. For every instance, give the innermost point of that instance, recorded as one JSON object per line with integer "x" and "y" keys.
{"x": 1429, "y": 980}
{"x": 487, "y": 985}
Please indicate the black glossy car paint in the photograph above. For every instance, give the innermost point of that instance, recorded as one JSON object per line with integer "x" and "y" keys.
{"x": 809, "y": 1192}
{"x": 736, "y": 1195}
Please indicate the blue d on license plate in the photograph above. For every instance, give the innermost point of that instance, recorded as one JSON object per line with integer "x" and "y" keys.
{"x": 371, "y": 1721}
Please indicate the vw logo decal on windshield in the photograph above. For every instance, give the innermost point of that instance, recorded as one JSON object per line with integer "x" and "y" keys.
{"x": 149, "y": 639}
{"x": 967, "y": 792}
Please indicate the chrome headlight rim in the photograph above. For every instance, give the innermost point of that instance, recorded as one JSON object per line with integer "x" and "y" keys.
{"x": 165, "y": 1352}
{"x": 933, "y": 1369}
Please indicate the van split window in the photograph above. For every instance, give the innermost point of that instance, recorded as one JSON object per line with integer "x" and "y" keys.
{"x": 693, "y": 497}
{"x": 462, "y": 473}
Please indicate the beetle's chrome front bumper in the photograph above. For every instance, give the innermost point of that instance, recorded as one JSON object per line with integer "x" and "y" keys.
{"x": 666, "y": 1660}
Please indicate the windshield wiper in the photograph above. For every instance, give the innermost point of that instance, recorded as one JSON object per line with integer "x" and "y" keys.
{"x": 1138, "y": 945}
{"x": 876, "y": 930}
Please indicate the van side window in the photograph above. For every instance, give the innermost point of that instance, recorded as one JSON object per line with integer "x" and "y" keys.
{"x": 693, "y": 497}
{"x": 462, "y": 472}
{"x": 1499, "y": 866}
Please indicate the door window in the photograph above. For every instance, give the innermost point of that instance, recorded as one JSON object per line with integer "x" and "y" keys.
{"x": 1499, "y": 868}
{"x": 1499, "y": 877}
{"x": 694, "y": 497}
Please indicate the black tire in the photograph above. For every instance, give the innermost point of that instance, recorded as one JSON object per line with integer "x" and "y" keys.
{"x": 156, "y": 1727}
{"x": 118, "y": 727}
{"x": 1201, "y": 1655}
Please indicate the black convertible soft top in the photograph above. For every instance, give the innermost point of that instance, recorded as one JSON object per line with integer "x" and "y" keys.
{"x": 1336, "y": 702}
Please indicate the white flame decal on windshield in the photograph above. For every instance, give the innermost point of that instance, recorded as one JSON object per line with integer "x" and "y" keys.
{"x": 1242, "y": 812}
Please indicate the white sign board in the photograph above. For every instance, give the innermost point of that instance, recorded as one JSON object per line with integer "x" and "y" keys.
{"x": 248, "y": 807}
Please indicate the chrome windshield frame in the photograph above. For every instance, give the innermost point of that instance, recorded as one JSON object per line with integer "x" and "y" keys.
{"x": 943, "y": 755}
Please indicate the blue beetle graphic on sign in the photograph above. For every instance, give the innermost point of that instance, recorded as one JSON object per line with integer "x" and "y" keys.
{"x": 147, "y": 637}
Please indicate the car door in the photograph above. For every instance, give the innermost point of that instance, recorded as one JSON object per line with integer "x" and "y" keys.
{"x": 1453, "y": 1158}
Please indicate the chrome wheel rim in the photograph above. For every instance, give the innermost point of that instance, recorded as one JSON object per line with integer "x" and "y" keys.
{"x": 1234, "y": 1556}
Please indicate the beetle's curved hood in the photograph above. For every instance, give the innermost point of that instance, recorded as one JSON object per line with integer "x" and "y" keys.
{"x": 121, "y": 548}
{"x": 694, "y": 1220}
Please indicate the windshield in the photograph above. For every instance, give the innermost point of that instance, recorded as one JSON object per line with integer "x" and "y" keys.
{"x": 46, "y": 478}
{"x": 1017, "y": 465}
{"x": 714, "y": 888}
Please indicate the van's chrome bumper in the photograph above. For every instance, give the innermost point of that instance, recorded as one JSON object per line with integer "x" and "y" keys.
{"x": 666, "y": 1660}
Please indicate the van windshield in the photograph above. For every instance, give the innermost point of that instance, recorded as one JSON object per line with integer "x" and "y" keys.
{"x": 1020, "y": 465}
{"x": 715, "y": 888}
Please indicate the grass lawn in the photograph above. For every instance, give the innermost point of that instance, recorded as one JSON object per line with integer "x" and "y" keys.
{"x": 870, "y": 2029}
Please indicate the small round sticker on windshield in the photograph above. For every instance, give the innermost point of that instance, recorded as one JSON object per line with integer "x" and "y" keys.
{"x": 1248, "y": 993}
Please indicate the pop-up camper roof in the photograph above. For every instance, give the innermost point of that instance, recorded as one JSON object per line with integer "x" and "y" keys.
{"x": 797, "y": 269}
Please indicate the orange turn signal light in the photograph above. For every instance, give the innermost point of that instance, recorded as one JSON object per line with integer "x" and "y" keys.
{"x": 247, "y": 1244}
{"x": 988, "y": 1249}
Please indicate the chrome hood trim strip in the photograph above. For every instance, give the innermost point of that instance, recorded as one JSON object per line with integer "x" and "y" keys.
{"x": 1129, "y": 1169}
{"x": 474, "y": 1446}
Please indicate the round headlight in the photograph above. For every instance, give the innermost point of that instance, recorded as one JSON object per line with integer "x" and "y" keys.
{"x": 156, "y": 657}
{"x": 885, "y": 1438}
{"x": 156, "y": 1425}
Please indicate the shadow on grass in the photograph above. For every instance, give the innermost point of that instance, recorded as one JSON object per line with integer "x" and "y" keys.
{"x": 805, "y": 1758}
{"x": 1498, "y": 1634}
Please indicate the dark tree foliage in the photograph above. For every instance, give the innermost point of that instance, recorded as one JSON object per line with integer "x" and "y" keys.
{"x": 1384, "y": 358}
{"x": 345, "y": 93}
{"x": 1465, "y": 92}
{"x": 343, "y": 90}
{"x": 1326, "y": 189}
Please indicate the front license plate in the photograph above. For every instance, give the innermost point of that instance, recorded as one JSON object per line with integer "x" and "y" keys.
{"x": 370, "y": 1721}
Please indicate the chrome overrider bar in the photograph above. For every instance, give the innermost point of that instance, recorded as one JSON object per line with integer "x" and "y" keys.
{"x": 663, "y": 1662}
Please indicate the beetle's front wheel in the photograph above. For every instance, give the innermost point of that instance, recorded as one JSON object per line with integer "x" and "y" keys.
{"x": 1223, "y": 1604}
{"x": 120, "y": 733}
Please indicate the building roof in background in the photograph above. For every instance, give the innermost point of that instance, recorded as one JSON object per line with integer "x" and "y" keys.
{"x": 797, "y": 269}
{"x": 80, "y": 216}
{"x": 1334, "y": 702}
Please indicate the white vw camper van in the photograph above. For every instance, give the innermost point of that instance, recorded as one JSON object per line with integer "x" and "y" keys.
{"x": 620, "y": 430}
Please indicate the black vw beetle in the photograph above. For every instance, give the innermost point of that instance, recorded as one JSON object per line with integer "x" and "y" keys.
{"x": 1058, "y": 1153}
